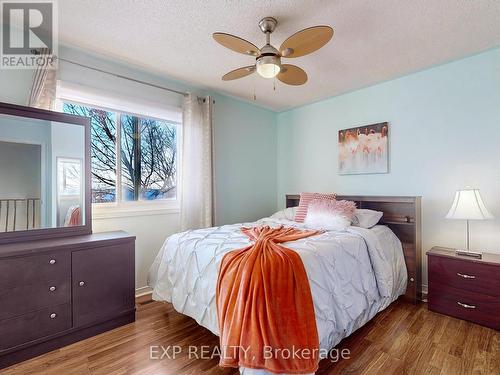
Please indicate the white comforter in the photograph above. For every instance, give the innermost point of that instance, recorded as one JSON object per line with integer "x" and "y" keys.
{"x": 352, "y": 274}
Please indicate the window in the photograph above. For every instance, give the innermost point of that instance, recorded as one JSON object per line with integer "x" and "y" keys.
{"x": 68, "y": 175}
{"x": 134, "y": 157}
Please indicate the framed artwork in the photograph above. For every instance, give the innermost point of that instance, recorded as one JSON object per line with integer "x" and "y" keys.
{"x": 364, "y": 149}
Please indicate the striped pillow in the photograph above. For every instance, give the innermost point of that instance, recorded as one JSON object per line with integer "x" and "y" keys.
{"x": 305, "y": 199}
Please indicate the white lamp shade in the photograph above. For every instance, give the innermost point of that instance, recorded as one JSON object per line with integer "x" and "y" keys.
{"x": 468, "y": 205}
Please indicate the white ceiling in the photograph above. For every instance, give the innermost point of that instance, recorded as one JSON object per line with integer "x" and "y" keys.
{"x": 375, "y": 40}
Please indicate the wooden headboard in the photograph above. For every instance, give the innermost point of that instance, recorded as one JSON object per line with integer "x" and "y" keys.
{"x": 403, "y": 216}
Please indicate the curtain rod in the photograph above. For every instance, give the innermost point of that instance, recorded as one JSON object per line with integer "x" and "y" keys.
{"x": 123, "y": 77}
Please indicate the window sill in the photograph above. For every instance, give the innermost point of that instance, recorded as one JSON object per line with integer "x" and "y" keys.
{"x": 105, "y": 211}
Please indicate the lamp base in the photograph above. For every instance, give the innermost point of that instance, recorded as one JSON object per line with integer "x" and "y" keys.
{"x": 468, "y": 253}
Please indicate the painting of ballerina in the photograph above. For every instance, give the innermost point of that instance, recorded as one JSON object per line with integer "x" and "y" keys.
{"x": 364, "y": 149}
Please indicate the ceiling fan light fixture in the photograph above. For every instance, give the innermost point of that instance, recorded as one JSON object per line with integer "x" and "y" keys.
{"x": 268, "y": 66}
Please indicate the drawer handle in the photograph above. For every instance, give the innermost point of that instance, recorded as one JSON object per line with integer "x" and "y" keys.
{"x": 53, "y": 316}
{"x": 466, "y": 306}
{"x": 81, "y": 283}
{"x": 52, "y": 288}
{"x": 465, "y": 276}
{"x": 52, "y": 261}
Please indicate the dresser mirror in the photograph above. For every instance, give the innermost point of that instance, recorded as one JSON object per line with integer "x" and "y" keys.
{"x": 44, "y": 174}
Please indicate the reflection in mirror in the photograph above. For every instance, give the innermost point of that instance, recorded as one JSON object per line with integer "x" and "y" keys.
{"x": 20, "y": 192}
{"x": 41, "y": 174}
{"x": 69, "y": 192}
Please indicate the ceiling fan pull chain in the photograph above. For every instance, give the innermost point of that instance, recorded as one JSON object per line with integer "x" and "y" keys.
{"x": 254, "y": 96}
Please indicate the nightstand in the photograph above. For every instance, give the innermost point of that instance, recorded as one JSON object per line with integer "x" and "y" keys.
{"x": 463, "y": 287}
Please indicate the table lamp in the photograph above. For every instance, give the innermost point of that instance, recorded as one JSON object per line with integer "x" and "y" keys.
{"x": 467, "y": 206}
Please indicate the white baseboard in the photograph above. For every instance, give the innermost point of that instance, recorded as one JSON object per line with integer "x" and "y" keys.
{"x": 425, "y": 291}
{"x": 143, "y": 291}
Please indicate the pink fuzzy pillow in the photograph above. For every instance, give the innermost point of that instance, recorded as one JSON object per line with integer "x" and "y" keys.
{"x": 305, "y": 199}
{"x": 330, "y": 214}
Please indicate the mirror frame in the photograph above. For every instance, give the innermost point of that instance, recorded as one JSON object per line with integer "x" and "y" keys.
{"x": 48, "y": 233}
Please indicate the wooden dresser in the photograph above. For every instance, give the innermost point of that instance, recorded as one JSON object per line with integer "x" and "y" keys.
{"x": 54, "y": 292}
{"x": 464, "y": 287}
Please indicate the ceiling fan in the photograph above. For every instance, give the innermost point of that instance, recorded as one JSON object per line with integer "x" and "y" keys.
{"x": 268, "y": 58}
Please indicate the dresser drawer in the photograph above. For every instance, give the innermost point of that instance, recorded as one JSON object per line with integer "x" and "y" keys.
{"x": 26, "y": 298}
{"x": 25, "y": 328}
{"x": 465, "y": 275}
{"x": 34, "y": 269}
{"x": 479, "y": 308}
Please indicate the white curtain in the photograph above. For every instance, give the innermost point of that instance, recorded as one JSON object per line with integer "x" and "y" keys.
{"x": 43, "y": 88}
{"x": 197, "y": 186}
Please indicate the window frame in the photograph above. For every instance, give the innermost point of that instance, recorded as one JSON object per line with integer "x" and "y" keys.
{"x": 121, "y": 208}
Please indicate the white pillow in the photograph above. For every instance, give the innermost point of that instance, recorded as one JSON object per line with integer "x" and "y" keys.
{"x": 326, "y": 221}
{"x": 365, "y": 218}
{"x": 287, "y": 214}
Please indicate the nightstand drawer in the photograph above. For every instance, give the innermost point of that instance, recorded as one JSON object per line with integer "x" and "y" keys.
{"x": 465, "y": 275}
{"x": 479, "y": 308}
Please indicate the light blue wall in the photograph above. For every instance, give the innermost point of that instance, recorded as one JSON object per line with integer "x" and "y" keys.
{"x": 444, "y": 135}
{"x": 35, "y": 132}
{"x": 245, "y": 155}
{"x": 15, "y": 86}
{"x": 108, "y": 83}
{"x": 15, "y": 83}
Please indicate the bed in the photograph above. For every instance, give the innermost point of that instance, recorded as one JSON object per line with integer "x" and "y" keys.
{"x": 352, "y": 274}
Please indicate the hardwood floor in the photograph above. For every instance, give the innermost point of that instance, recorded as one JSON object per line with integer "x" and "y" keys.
{"x": 403, "y": 339}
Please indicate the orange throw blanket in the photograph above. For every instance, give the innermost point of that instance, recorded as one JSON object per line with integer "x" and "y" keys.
{"x": 264, "y": 305}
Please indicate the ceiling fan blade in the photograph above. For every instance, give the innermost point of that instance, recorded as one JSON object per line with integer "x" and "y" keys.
{"x": 306, "y": 41}
{"x": 236, "y": 44}
{"x": 239, "y": 73}
{"x": 292, "y": 75}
